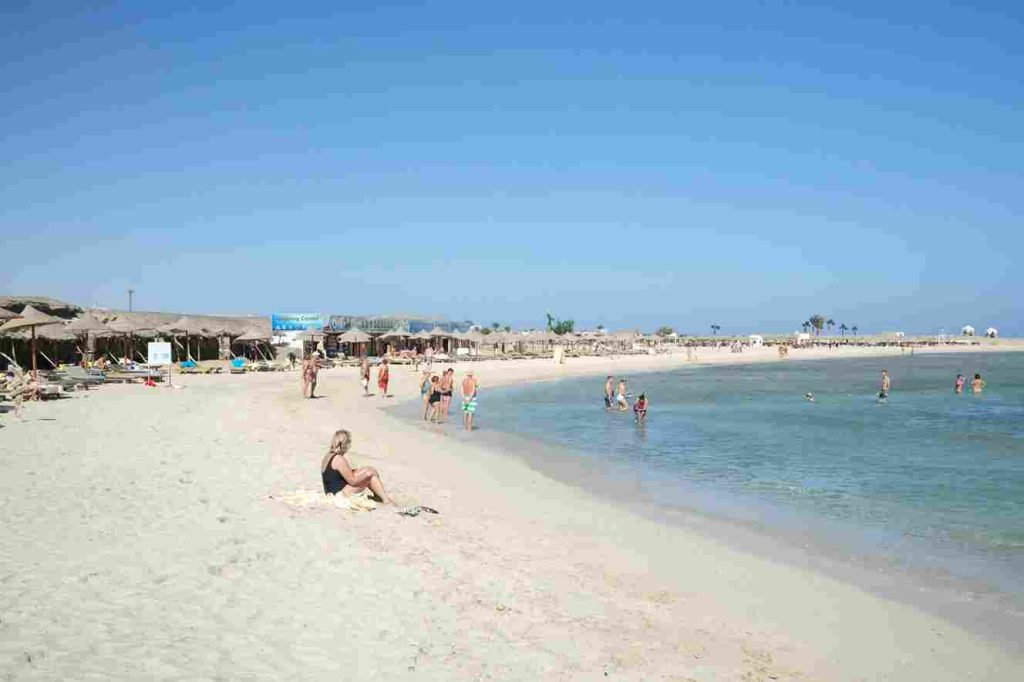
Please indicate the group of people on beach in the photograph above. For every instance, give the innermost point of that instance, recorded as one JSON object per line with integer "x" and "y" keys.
{"x": 437, "y": 390}
{"x": 618, "y": 398}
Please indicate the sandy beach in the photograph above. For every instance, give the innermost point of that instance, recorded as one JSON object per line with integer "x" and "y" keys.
{"x": 141, "y": 540}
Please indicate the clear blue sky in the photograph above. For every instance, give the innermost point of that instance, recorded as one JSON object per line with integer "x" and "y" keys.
{"x": 621, "y": 163}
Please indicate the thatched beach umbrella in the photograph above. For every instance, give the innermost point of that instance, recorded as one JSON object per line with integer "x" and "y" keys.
{"x": 30, "y": 318}
{"x": 354, "y": 336}
{"x": 6, "y": 314}
{"x": 86, "y": 323}
{"x": 185, "y": 326}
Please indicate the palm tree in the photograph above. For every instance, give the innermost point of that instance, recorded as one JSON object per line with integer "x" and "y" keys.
{"x": 805, "y": 326}
{"x": 843, "y": 328}
{"x": 715, "y": 328}
{"x": 817, "y": 321}
{"x": 854, "y": 330}
{"x": 831, "y": 323}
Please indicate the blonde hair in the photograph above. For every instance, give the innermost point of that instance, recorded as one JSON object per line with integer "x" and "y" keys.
{"x": 341, "y": 442}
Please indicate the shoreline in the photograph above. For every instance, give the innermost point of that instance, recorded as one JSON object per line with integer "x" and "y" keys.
{"x": 982, "y": 607}
{"x": 520, "y": 576}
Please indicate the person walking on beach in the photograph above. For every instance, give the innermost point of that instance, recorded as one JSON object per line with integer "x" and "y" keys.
{"x": 609, "y": 392}
{"x": 310, "y": 368}
{"x": 640, "y": 409}
{"x": 339, "y": 477}
{"x": 958, "y": 386}
{"x": 425, "y": 391}
{"x": 447, "y": 381}
{"x": 434, "y": 400}
{"x": 977, "y": 385}
{"x": 620, "y": 399}
{"x": 469, "y": 391}
{"x": 883, "y": 394}
{"x": 364, "y": 376}
{"x": 383, "y": 375}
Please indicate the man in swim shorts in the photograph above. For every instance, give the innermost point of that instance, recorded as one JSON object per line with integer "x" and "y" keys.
{"x": 620, "y": 399}
{"x": 469, "y": 391}
{"x": 886, "y": 383}
{"x": 609, "y": 392}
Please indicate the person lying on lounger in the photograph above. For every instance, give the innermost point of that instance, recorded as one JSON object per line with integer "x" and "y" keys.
{"x": 339, "y": 476}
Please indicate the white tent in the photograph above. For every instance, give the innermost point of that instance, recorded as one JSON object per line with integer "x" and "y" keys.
{"x": 967, "y": 330}
{"x": 992, "y": 332}
{"x": 756, "y": 340}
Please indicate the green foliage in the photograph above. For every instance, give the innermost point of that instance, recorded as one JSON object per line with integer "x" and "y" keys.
{"x": 663, "y": 331}
{"x": 485, "y": 331}
{"x": 817, "y": 321}
{"x": 715, "y": 328}
{"x": 559, "y": 327}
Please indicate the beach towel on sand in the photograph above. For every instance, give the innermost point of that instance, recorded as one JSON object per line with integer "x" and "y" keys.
{"x": 308, "y": 499}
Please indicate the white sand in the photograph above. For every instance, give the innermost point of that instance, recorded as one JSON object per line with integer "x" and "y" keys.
{"x": 138, "y": 543}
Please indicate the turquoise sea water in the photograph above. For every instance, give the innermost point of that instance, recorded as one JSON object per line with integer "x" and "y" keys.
{"x": 930, "y": 479}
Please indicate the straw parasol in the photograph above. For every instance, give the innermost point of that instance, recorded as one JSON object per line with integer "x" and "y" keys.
{"x": 354, "y": 336}
{"x": 310, "y": 335}
{"x": 438, "y": 333}
{"x": 395, "y": 333}
{"x": 86, "y": 323}
{"x": 253, "y": 335}
{"x": 6, "y": 314}
{"x": 30, "y": 318}
{"x": 185, "y": 326}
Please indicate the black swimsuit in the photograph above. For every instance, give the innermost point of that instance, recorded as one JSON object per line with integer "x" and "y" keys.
{"x": 334, "y": 482}
{"x": 435, "y": 397}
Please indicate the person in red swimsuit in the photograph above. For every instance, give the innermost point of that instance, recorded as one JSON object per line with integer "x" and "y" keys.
{"x": 383, "y": 374}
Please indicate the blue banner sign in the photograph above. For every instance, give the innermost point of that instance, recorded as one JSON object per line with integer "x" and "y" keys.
{"x": 297, "y": 322}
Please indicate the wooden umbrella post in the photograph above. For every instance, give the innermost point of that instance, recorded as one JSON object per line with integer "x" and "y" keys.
{"x": 35, "y": 371}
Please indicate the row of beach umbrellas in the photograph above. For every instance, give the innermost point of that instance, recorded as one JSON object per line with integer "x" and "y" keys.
{"x": 34, "y": 324}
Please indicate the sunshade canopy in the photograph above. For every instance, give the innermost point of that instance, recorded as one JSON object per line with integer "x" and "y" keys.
{"x": 30, "y": 317}
{"x": 354, "y": 336}
{"x": 185, "y": 325}
{"x": 85, "y": 323}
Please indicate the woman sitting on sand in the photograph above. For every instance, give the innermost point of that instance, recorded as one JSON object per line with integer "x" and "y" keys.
{"x": 339, "y": 477}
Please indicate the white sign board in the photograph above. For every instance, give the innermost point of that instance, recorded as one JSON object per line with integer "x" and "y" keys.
{"x": 159, "y": 353}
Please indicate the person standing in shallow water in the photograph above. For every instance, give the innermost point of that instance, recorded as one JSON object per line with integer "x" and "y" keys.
{"x": 469, "y": 391}
{"x": 883, "y": 394}
{"x": 977, "y": 385}
{"x": 958, "y": 386}
{"x": 609, "y": 392}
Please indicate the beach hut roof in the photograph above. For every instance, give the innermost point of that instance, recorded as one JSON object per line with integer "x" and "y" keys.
{"x": 396, "y": 334}
{"x": 43, "y": 303}
{"x": 29, "y": 317}
{"x": 186, "y": 325}
{"x": 310, "y": 335}
{"x": 253, "y": 335}
{"x": 85, "y": 323}
{"x": 50, "y": 332}
{"x": 6, "y": 314}
{"x": 438, "y": 333}
{"x": 354, "y": 336}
